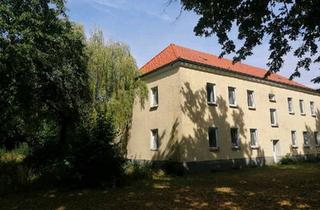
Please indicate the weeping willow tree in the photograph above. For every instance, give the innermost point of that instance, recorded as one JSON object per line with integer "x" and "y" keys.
{"x": 115, "y": 82}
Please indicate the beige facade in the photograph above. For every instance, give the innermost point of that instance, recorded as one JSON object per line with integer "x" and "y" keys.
{"x": 183, "y": 117}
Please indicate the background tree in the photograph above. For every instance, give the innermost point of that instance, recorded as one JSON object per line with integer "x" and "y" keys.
{"x": 283, "y": 22}
{"x": 115, "y": 81}
{"x": 43, "y": 76}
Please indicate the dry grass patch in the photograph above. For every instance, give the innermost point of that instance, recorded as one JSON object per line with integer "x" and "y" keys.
{"x": 277, "y": 187}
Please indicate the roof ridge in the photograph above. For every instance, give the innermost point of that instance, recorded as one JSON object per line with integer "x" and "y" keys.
{"x": 168, "y": 47}
{"x": 222, "y": 58}
{"x": 173, "y": 49}
{"x": 175, "y": 52}
{"x": 239, "y": 63}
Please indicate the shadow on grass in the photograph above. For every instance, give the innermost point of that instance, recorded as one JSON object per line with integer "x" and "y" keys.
{"x": 277, "y": 187}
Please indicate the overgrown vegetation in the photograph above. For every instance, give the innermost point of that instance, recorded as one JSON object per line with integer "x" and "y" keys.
{"x": 14, "y": 174}
{"x": 69, "y": 99}
{"x": 293, "y": 159}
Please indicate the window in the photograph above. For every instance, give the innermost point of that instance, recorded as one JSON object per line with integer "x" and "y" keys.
{"x": 250, "y": 98}
{"x": 272, "y": 97}
{"x": 154, "y": 139}
{"x": 273, "y": 117}
{"x": 312, "y": 108}
{"x": 317, "y": 138}
{"x": 232, "y": 96}
{"x": 294, "y": 139}
{"x": 235, "y": 140}
{"x": 154, "y": 97}
{"x": 213, "y": 137}
{"x": 301, "y": 105}
{"x": 290, "y": 106}
{"x": 253, "y": 138}
{"x": 305, "y": 138}
{"x": 211, "y": 93}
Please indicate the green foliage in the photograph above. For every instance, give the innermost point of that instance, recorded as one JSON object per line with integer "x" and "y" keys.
{"x": 69, "y": 102}
{"x": 90, "y": 158}
{"x": 281, "y": 22}
{"x": 291, "y": 159}
{"x": 43, "y": 76}
{"x": 136, "y": 170}
{"x": 14, "y": 174}
{"x": 287, "y": 159}
{"x": 115, "y": 82}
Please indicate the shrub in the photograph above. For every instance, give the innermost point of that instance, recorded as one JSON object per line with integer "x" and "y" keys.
{"x": 287, "y": 159}
{"x": 138, "y": 170}
{"x": 290, "y": 159}
{"x": 89, "y": 158}
{"x": 13, "y": 173}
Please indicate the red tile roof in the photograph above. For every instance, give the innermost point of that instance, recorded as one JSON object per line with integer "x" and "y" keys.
{"x": 174, "y": 52}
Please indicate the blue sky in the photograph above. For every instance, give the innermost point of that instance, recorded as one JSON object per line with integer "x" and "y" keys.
{"x": 148, "y": 26}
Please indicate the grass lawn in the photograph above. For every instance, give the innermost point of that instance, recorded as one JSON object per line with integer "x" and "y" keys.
{"x": 277, "y": 187}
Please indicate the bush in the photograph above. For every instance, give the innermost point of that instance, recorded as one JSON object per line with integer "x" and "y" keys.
{"x": 287, "y": 159}
{"x": 13, "y": 173}
{"x": 89, "y": 158}
{"x": 138, "y": 170}
{"x": 290, "y": 159}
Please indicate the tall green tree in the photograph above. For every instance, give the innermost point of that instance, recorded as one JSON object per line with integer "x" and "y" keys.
{"x": 115, "y": 82}
{"x": 283, "y": 22}
{"x": 43, "y": 76}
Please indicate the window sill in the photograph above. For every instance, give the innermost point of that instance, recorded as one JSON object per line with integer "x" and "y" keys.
{"x": 152, "y": 108}
{"x": 213, "y": 149}
{"x": 255, "y": 147}
{"x": 303, "y": 114}
{"x": 292, "y": 113}
{"x": 233, "y": 105}
{"x": 251, "y": 108}
{"x": 313, "y": 115}
{"x": 294, "y": 146}
{"x": 154, "y": 150}
{"x": 235, "y": 147}
{"x": 212, "y": 103}
{"x": 273, "y": 101}
{"x": 275, "y": 126}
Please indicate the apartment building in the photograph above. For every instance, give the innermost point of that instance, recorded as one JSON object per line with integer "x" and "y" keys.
{"x": 206, "y": 111}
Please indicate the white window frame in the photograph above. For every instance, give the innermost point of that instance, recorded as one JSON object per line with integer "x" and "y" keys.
{"x": 305, "y": 137}
{"x": 312, "y": 109}
{"x": 154, "y": 139}
{"x": 301, "y": 107}
{"x": 212, "y": 99}
{"x": 216, "y": 137}
{"x": 250, "y": 96}
{"x": 272, "y": 97}
{"x": 154, "y": 100}
{"x": 294, "y": 140}
{"x": 273, "y": 113}
{"x": 237, "y": 146}
{"x": 317, "y": 138}
{"x": 254, "y": 131}
{"x": 232, "y": 90}
{"x": 290, "y": 105}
